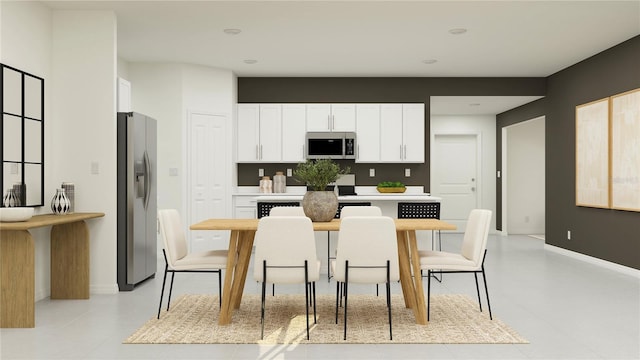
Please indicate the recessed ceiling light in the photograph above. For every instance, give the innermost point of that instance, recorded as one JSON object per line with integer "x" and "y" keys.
{"x": 457, "y": 31}
{"x": 430, "y": 61}
{"x": 232, "y": 31}
{"x": 250, "y": 61}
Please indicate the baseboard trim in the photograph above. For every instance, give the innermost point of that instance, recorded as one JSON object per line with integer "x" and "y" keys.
{"x": 595, "y": 261}
{"x": 104, "y": 289}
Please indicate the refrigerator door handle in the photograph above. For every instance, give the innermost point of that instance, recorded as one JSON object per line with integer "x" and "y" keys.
{"x": 147, "y": 180}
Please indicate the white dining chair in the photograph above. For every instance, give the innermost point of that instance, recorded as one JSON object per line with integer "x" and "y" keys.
{"x": 287, "y": 211}
{"x": 177, "y": 257}
{"x": 348, "y": 211}
{"x": 367, "y": 254}
{"x": 285, "y": 252}
{"x": 469, "y": 260}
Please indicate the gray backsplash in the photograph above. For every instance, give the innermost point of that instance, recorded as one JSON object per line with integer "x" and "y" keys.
{"x": 248, "y": 173}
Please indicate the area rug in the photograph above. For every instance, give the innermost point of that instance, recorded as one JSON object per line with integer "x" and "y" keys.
{"x": 455, "y": 319}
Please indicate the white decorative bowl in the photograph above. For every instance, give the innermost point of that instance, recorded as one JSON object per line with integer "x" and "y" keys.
{"x": 12, "y": 214}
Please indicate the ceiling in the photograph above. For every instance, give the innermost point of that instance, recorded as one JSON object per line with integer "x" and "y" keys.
{"x": 370, "y": 38}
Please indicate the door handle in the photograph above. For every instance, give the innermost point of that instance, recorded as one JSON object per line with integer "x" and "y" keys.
{"x": 147, "y": 180}
{"x": 473, "y": 189}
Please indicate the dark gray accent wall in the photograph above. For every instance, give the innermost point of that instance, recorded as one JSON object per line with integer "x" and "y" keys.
{"x": 374, "y": 90}
{"x": 612, "y": 235}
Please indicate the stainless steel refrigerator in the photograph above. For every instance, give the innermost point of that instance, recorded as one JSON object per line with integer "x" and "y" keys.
{"x": 137, "y": 199}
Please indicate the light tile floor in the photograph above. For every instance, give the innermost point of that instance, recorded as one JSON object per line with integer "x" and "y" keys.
{"x": 566, "y": 308}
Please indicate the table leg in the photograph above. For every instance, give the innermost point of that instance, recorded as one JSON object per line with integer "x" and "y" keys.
{"x": 419, "y": 310}
{"x": 244, "y": 256}
{"x": 408, "y": 290}
{"x": 17, "y": 276}
{"x": 225, "y": 312}
{"x": 70, "y": 261}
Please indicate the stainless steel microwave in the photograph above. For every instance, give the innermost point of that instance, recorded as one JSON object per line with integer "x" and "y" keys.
{"x": 330, "y": 145}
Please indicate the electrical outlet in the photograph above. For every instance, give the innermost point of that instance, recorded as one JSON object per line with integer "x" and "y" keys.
{"x": 526, "y": 219}
{"x": 260, "y": 172}
{"x": 289, "y": 172}
{"x": 407, "y": 172}
{"x": 372, "y": 172}
{"x": 568, "y": 234}
{"x": 173, "y": 171}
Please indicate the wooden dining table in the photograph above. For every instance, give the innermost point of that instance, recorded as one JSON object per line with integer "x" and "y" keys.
{"x": 241, "y": 245}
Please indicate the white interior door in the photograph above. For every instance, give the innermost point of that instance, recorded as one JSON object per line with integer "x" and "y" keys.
{"x": 207, "y": 180}
{"x": 454, "y": 176}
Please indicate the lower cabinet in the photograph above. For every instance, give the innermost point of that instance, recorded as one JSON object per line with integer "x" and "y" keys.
{"x": 245, "y": 206}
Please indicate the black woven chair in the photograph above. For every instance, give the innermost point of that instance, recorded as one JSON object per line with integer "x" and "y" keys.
{"x": 422, "y": 210}
{"x": 265, "y": 207}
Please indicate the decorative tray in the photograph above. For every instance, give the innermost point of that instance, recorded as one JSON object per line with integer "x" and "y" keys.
{"x": 391, "y": 189}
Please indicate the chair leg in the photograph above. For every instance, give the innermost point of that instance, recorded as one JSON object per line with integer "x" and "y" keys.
{"x": 306, "y": 293}
{"x": 264, "y": 288}
{"x": 220, "y": 287}
{"x": 475, "y": 274}
{"x": 338, "y": 298}
{"x": 315, "y": 320}
{"x": 486, "y": 290}
{"x": 328, "y": 256}
{"x": 170, "y": 289}
{"x": 428, "y": 293}
{"x": 346, "y": 294}
{"x": 389, "y": 299}
{"x": 164, "y": 281}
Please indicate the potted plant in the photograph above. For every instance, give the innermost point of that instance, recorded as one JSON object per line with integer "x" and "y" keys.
{"x": 319, "y": 204}
{"x": 391, "y": 187}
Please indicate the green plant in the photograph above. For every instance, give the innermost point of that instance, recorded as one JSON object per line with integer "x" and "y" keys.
{"x": 318, "y": 173}
{"x": 387, "y": 184}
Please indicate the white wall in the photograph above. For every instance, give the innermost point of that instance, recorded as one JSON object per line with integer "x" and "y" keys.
{"x": 83, "y": 127}
{"x": 525, "y": 177}
{"x": 75, "y": 52}
{"x": 166, "y": 92}
{"x": 25, "y": 43}
{"x": 485, "y": 126}
{"x": 156, "y": 91}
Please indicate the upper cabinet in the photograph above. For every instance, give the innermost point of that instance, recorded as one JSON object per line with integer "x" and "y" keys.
{"x": 271, "y": 133}
{"x": 402, "y": 133}
{"x": 124, "y": 95}
{"x": 331, "y": 117}
{"x": 368, "y": 133}
{"x": 275, "y": 133}
{"x": 293, "y": 132}
{"x": 259, "y": 133}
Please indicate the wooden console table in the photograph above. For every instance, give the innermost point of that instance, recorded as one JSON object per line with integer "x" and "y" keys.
{"x": 69, "y": 264}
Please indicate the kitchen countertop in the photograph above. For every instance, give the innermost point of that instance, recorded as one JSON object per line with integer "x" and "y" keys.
{"x": 364, "y": 193}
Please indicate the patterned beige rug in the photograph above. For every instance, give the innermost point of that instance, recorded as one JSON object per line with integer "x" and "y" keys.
{"x": 455, "y": 319}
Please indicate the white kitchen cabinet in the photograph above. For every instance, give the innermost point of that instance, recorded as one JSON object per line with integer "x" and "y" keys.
{"x": 293, "y": 132}
{"x": 331, "y": 117}
{"x": 391, "y": 132}
{"x": 245, "y": 206}
{"x": 367, "y": 133}
{"x": 413, "y": 132}
{"x": 124, "y": 95}
{"x": 402, "y": 133}
{"x": 259, "y": 133}
{"x": 270, "y": 132}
